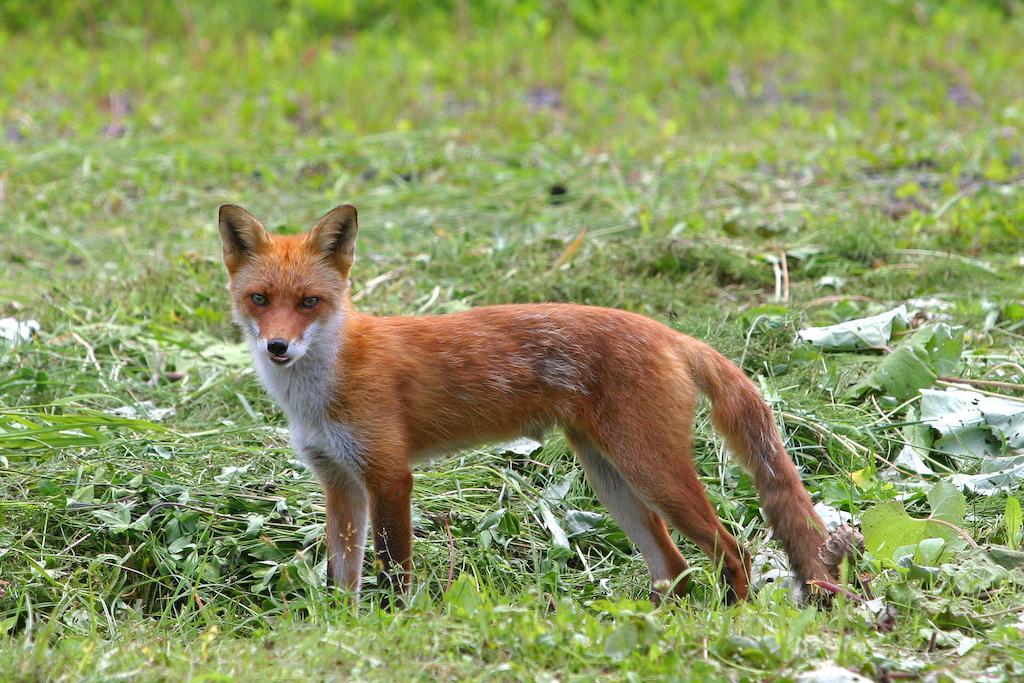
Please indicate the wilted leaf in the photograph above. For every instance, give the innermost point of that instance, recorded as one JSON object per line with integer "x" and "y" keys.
{"x": 144, "y": 409}
{"x": 581, "y": 521}
{"x": 976, "y": 573}
{"x": 521, "y": 446}
{"x": 972, "y": 424}
{"x": 230, "y": 474}
{"x": 13, "y": 330}
{"x": 918, "y": 438}
{"x": 873, "y": 332}
{"x": 255, "y": 525}
{"x": 943, "y": 345}
{"x": 843, "y": 543}
{"x": 832, "y": 517}
{"x": 1006, "y": 558}
{"x": 235, "y": 355}
{"x": 996, "y": 475}
{"x": 556, "y": 491}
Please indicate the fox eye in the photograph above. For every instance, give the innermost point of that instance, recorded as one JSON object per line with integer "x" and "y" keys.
{"x": 310, "y": 301}
{"x": 258, "y": 299}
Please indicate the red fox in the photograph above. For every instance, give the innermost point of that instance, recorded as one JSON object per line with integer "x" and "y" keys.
{"x": 368, "y": 396}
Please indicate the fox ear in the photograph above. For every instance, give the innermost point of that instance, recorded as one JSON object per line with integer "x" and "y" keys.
{"x": 334, "y": 236}
{"x": 242, "y": 234}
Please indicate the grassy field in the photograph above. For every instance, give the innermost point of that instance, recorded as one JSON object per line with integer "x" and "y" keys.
{"x": 738, "y": 170}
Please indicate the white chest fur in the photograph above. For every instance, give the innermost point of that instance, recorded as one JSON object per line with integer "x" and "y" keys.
{"x": 304, "y": 391}
{"x": 325, "y": 446}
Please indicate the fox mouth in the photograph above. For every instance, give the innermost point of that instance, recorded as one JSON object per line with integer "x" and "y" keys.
{"x": 281, "y": 359}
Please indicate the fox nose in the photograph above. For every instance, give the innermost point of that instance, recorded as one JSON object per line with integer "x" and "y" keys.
{"x": 277, "y": 346}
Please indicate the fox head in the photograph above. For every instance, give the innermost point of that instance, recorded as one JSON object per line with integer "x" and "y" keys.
{"x": 289, "y": 293}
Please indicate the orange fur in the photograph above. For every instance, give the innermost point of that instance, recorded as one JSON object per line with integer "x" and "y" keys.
{"x": 366, "y": 396}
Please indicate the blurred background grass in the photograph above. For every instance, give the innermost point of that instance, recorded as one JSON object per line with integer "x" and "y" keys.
{"x": 576, "y": 71}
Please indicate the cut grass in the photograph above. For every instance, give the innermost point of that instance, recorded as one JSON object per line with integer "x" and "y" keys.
{"x": 658, "y": 159}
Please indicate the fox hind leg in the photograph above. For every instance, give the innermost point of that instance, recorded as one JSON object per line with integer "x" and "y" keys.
{"x": 648, "y": 444}
{"x": 678, "y": 494}
{"x": 642, "y": 525}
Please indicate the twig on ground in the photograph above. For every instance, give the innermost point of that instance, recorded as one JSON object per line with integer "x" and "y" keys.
{"x": 985, "y": 383}
{"x": 960, "y": 383}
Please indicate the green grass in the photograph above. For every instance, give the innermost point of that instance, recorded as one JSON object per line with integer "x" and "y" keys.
{"x": 878, "y": 146}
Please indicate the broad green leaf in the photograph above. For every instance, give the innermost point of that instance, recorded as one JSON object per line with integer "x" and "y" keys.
{"x": 464, "y": 597}
{"x": 1013, "y": 311}
{"x": 932, "y": 351}
{"x": 901, "y": 374}
{"x": 491, "y": 519}
{"x": 830, "y": 673}
{"x": 863, "y": 478}
{"x": 929, "y": 551}
{"x": 180, "y": 544}
{"x": 84, "y": 494}
{"x": 887, "y": 526}
{"x": 947, "y": 503}
{"x": 509, "y": 524}
{"x": 944, "y": 344}
{"x": 116, "y": 518}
